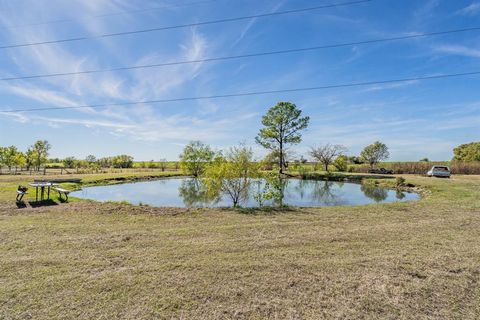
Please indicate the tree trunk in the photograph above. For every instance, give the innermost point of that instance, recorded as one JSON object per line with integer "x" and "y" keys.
{"x": 326, "y": 167}
{"x": 281, "y": 157}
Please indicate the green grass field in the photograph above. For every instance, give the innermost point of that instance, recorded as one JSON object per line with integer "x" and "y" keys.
{"x": 84, "y": 260}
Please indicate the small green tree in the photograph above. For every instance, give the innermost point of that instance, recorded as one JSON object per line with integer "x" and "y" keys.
{"x": 19, "y": 160}
{"x": 10, "y": 157}
{"x": 122, "y": 161}
{"x": 195, "y": 157}
{"x": 467, "y": 152}
{"x": 274, "y": 189}
{"x": 282, "y": 125}
{"x": 374, "y": 153}
{"x": 232, "y": 174}
{"x": 341, "y": 163}
{"x": 69, "y": 162}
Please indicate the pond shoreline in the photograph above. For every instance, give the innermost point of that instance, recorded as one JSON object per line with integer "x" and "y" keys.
{"x": 380, "y": 181}
{"x": 183, "y": 192}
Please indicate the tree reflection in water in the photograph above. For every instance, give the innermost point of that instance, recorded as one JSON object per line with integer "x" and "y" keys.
{"x": 275, "y": 191}
{"x": 374, "y": 193}
{"x": 194, "y": 195}
{"x": 400, "y": 195}
{"x": 324, "y": 191}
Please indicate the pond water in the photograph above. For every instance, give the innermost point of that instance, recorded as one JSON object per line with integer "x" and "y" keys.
{"x": 187, "y": 192}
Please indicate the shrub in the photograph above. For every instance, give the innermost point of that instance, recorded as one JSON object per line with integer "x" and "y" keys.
{"x": 341, "y": 163}
{"x": 399, "y": 182}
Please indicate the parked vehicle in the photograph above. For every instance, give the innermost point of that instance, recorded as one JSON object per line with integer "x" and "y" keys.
{"x": 439, "y": 171}
{"x": 381, "y": 171}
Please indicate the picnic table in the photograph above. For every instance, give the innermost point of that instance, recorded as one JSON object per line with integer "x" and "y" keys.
{"x": 42, "y": 186}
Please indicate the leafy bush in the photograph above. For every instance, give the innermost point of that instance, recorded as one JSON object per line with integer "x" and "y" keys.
{"x": 341, "y": 163}
{"x": 467, "y": 152}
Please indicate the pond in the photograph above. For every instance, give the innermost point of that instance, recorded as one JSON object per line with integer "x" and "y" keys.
{"x": 187, "y": 192}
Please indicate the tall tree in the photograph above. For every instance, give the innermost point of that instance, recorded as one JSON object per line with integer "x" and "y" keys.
{"x": 375, "y": 153}
{"x": 326, "y": 154}
{"x": 39, "y": 153}
{"x": 19, "y": 160}
{"x": 282, "y": 126}
{"x": 195, "y": 156}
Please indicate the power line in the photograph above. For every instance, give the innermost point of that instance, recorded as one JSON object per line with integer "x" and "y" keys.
{"x": 248, "y": 55}
{"x": 108, "y": 35}
{"x": 254, "y": 93}
{"x": 104, "y": 15}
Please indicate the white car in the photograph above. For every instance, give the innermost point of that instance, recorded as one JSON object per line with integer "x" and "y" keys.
{"x": 439, "y": 171}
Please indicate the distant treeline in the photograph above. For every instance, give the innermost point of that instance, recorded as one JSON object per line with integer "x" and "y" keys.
{"x": 421, "y": 167}
{"x": 328, "y": 157}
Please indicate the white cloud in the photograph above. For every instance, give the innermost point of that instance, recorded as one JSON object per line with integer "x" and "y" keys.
{"x": 470, "y": 10}
{"x": 458, "y": 50}
{"x": 252, "y": 22}
{"x": 41, "y": 95}
{"x": 380, "y": 87}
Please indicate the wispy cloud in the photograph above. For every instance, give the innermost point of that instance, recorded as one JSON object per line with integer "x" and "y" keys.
{"x": 390, "y": 86}
{"x": 458, "y": 50}
{"x": 44, "y": 96}
{"x": 252, "y": 22}
{"x": 470, "y": 10}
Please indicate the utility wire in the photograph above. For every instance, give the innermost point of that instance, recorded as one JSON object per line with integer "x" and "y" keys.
{"x": 104, "y": 15}
{"x": 248, "y": 55}
{"x": 108, "y": 35}
{"x": 254, "y": 93}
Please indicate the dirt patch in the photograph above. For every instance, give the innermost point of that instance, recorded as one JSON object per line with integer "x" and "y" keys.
{"x": 10, "y": 208}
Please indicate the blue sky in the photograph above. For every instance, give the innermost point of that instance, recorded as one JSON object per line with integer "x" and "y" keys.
{"x": 415, "y": 119}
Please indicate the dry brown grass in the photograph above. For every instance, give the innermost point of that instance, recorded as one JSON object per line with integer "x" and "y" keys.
{"x": 421, "y": 167}
{"x": 417, "y": 260}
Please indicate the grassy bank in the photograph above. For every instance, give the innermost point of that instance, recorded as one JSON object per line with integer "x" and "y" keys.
{"x": 9, "y": 183}
{"x": 91, "y": 260}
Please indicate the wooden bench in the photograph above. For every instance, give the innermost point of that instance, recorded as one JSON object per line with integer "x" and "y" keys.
{"x": 62, "y": 191}
{"x": 20, "y": 195}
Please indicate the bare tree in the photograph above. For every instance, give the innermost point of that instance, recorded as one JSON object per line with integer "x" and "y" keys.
{"x": 163, "y": 164}
{"x": 326, "y": 154}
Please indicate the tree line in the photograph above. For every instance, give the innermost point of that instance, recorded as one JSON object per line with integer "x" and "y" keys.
{"x": 35, "y": 156}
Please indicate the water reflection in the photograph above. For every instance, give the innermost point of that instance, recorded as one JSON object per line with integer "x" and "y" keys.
{"x": 188, "y": 192}
{"x": 194, "y": 194}
{"x": 400, "y": 195}
{"x": 375, "y": 193}
{"x": 327, "y": 192}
